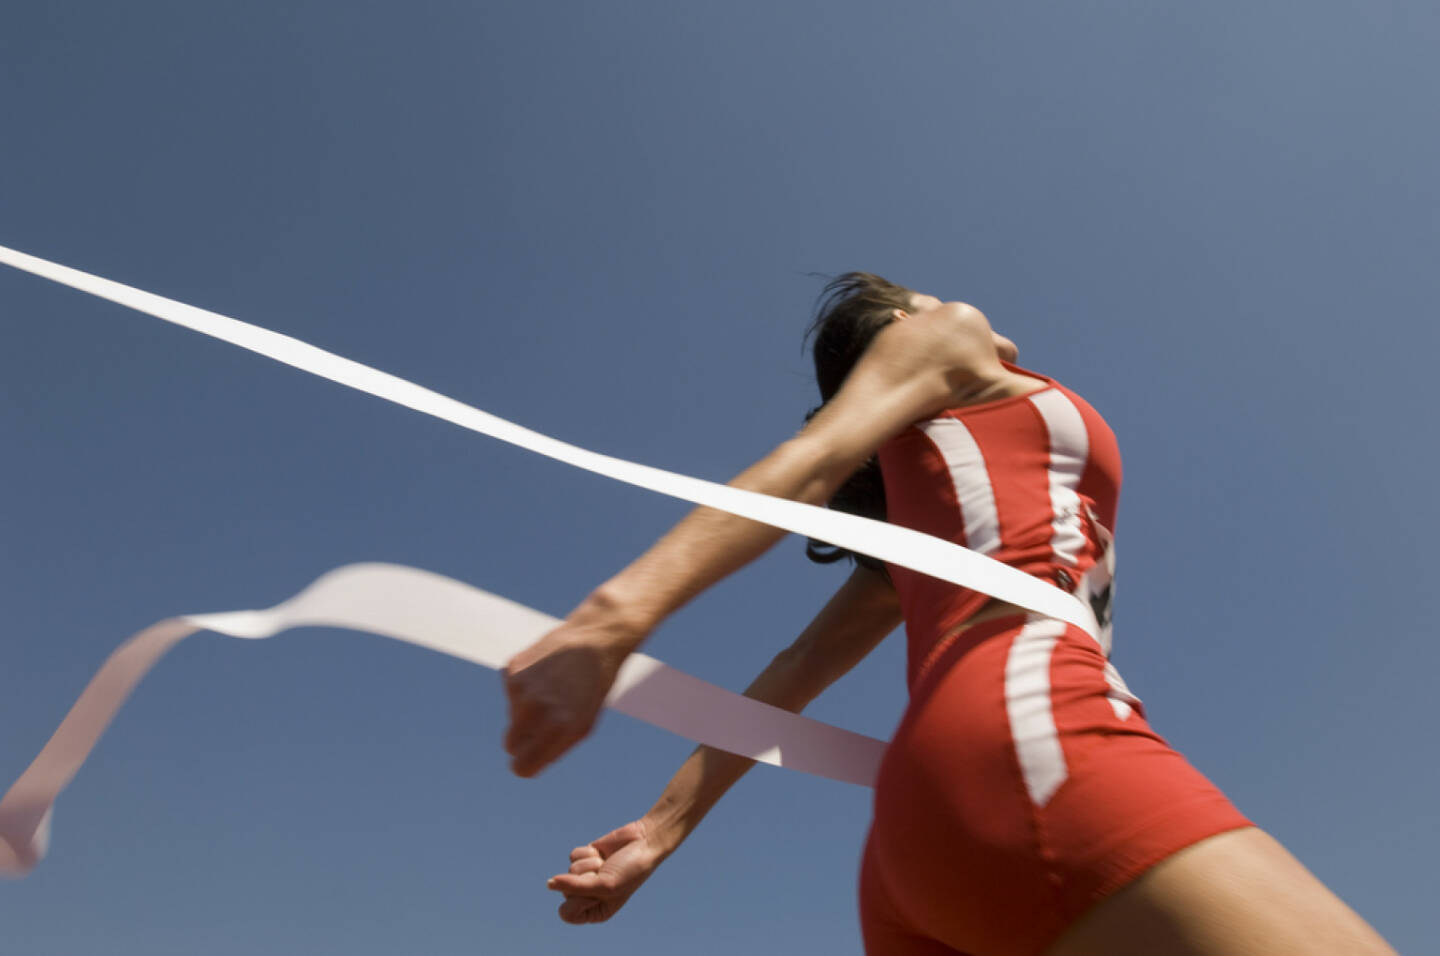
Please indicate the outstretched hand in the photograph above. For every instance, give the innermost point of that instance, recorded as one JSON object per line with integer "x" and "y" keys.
{"x": 604, "y": 874}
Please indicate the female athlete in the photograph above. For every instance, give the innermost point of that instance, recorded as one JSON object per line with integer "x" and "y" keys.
{"x": 1024, "y": 805}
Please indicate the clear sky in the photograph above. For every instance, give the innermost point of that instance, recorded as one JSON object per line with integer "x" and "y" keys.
{"x": 1217, "y": 222}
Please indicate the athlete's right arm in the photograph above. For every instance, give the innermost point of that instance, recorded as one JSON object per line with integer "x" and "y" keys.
{"x": 912, "y": 370}
{"x": 605, "y": 873}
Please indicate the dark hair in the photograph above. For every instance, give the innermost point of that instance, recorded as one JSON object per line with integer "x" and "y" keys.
{"x": 850, "y": 312}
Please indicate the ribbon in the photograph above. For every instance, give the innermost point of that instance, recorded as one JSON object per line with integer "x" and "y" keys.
{"x": 429, "y": 610}
{"x": 441, "y": 614}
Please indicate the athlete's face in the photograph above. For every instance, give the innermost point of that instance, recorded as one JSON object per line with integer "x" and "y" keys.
{"x": 920, "y": 304}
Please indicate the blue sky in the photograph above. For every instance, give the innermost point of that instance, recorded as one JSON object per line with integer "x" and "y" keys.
{"x": 1217, "y": 222}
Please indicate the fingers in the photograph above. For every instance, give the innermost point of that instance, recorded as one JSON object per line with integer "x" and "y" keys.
{"x": 588, "y": 909}
{"x": 525, "y": 718}
{"x": 574, "y": 908}
{"x": 580, "y": 884}
{"x": 589, "y": 864}
{"x": 544, "y": 722}
{"x": 584, "y": 876}
{"x": 535, "y": 737}
{"x": 579, "y": 909}
{"x": 535, "y": 749}
{"x": 617, "y": 838}
{"x": 592, "y": 894}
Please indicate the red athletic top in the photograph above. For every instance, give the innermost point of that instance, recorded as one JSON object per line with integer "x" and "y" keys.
{"x": 1032, "y": 481}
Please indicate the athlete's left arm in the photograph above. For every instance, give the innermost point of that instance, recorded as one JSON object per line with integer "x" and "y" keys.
{"x": 604, "y": 874}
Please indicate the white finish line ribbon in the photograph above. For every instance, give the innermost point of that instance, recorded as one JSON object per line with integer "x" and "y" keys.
{"x": 444, "y": 615}
{"x": 405, "y": 606}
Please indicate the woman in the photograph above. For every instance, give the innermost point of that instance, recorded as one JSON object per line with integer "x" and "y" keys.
{"x": 1024, "y": 805}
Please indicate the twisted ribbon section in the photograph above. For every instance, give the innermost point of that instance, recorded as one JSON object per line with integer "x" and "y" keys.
{"x": 441, "y": 614}
{"x": 430, "y": 611}
{"x": 902, "y": 546}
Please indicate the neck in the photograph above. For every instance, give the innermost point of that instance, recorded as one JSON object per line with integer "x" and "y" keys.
{"x": 992, "y": 383}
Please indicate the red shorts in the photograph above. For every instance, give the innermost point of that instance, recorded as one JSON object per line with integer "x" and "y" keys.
{"x": 1022, "y": 786}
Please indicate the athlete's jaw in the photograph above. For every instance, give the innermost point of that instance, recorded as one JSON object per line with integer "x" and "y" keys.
{"x": 1006, "y": 349}
{"x": 1009, "y": 352}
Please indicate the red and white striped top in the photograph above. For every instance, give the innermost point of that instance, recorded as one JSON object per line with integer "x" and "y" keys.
{"x": 1032, "y": 481}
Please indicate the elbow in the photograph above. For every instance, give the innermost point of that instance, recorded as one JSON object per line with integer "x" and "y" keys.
{"x": 791, "y": 661}
{"x": 794, "y": 678}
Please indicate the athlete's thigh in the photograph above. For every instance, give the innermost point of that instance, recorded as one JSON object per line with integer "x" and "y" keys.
{"x": 1238, "y": 893}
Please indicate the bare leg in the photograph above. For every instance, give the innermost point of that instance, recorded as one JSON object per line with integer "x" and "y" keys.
{"x": 1238, "y": 893}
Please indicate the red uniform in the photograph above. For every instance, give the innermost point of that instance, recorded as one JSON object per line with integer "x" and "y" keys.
{"x": 1023, "y": 784}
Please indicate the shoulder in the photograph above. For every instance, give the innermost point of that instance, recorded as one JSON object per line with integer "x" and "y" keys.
{"x": 915, "y": 369}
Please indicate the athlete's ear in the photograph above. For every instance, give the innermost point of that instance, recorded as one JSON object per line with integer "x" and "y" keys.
{"x": 901, "y": 315}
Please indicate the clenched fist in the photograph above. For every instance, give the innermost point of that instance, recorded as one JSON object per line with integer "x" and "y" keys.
{"x": 557, "y": 686}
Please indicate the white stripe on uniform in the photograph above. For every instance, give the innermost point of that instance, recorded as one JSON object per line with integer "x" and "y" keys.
{"x": 1027, "y": 702}
{"x": 971, "y": 480}
{"x": 1069, "y": 451}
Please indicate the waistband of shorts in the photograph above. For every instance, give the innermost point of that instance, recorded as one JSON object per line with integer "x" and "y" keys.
{"x": 971, "y": 635}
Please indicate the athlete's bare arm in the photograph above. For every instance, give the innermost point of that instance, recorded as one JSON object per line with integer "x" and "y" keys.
{"x": 605, "y": 873}
{"x": 914, "y": 369}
